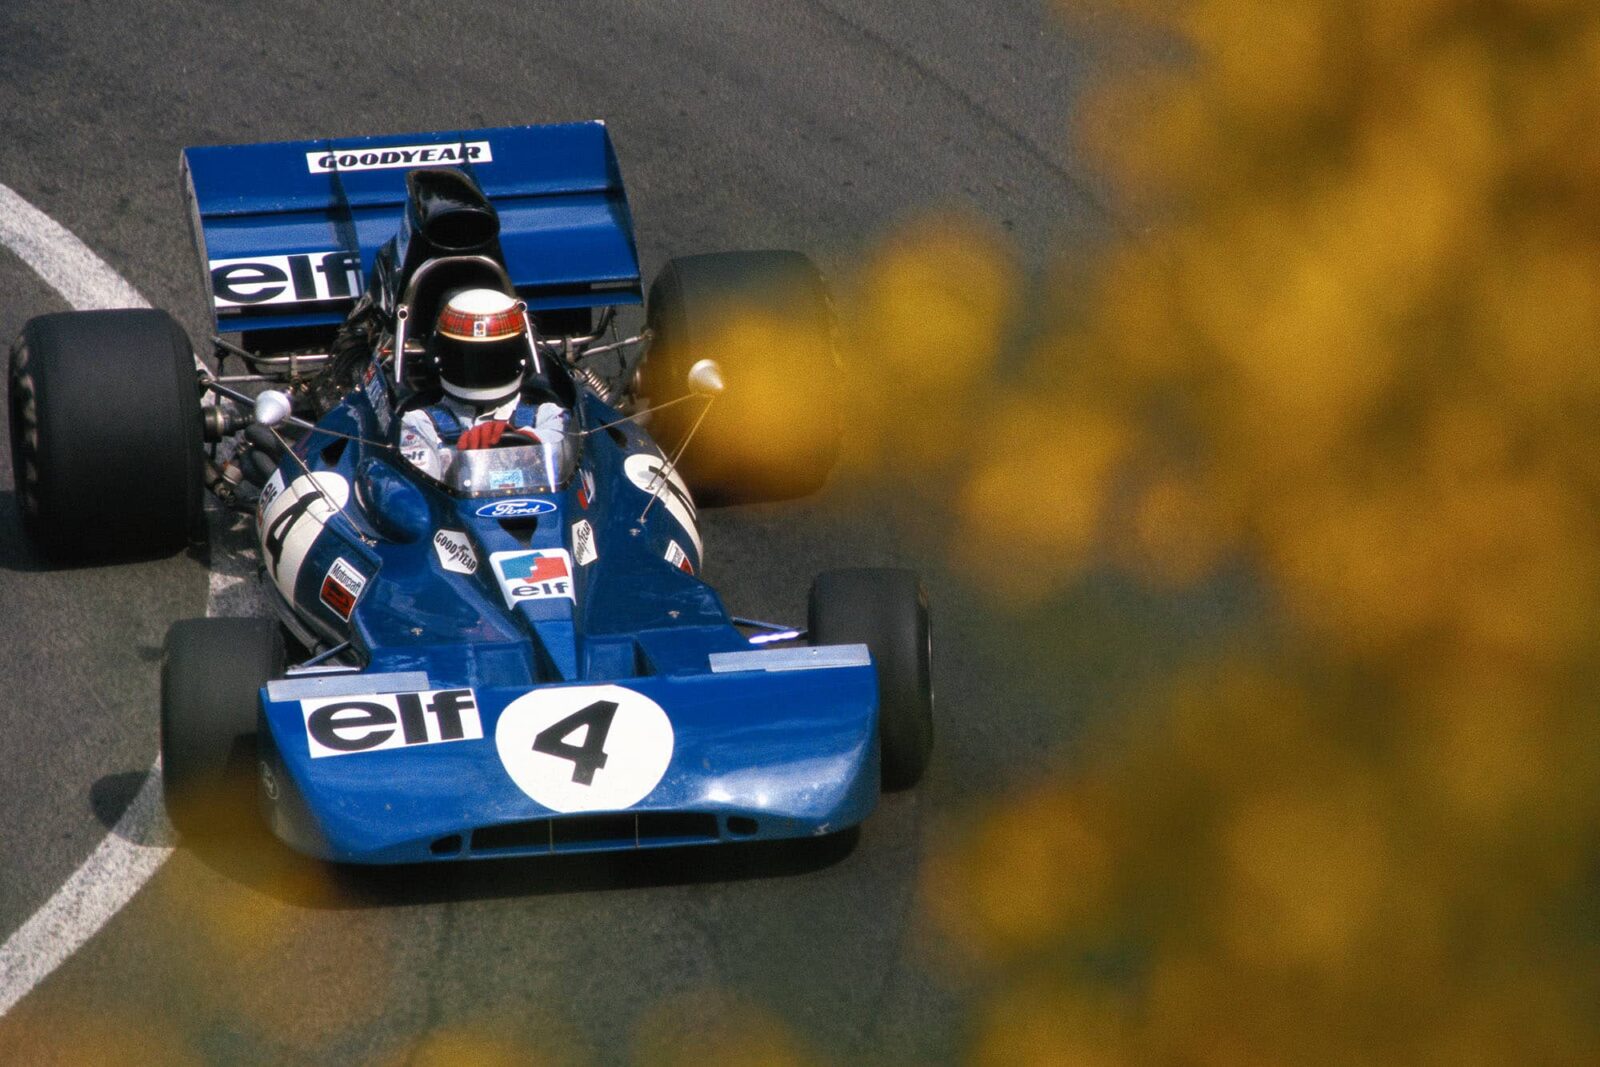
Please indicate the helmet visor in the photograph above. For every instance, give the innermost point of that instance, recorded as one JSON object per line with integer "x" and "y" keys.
{"x": 481, "y": 370}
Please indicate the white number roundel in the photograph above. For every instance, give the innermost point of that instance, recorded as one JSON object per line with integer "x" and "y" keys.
{"x": 651, "y": 473}
{"x": 585, "y": 748}
{"x": 290, "y": 520}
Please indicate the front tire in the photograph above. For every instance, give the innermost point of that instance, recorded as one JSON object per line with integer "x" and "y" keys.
{"x": 106, "y": 443}
{"x": 886, "y": 610}
{"x": 211, "y": 671}
{"x": 767, "y": 320}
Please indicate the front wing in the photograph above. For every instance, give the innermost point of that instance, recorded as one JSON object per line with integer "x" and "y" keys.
{"x": 391, "y": 768}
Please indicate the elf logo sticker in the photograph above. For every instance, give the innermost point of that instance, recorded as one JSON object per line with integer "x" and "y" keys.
{"x": 341, "y": 588}
{"x": 585, "y": 747}
{"x": 583, "y": 549}
{"x": 341, "y": 726}
{"x": 539, "y": 574}
{"x": 303, "y": 278}
{"x": 455, "y": 551}
{"x": 398, "y": 156}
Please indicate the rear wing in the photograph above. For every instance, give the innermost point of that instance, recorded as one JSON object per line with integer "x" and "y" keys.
{"x": 287, "y": 232}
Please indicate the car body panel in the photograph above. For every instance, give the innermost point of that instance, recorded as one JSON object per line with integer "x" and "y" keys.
{"x": 532, "y": 665}
{"x": 287, "y": 241}
{"x": 792, "y": 754}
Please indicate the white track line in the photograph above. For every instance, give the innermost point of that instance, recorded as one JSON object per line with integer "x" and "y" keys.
{"x": 66, "y": 264}
{"x": 139, "y": 843}
{"x": 122, "y": 863}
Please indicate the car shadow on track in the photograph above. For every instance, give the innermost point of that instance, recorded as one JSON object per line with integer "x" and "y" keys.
{"x": 110, "y": 796}
{"x": 16, "y": 553}
{"x": 267, "y": 866}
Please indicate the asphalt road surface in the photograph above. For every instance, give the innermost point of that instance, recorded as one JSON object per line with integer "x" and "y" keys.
{"x": 753, "y": 124}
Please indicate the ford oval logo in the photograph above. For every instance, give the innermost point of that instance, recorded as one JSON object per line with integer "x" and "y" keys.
{"x": 517, "y": 508}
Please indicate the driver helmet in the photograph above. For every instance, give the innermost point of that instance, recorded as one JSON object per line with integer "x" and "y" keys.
{"x": 481, "y": 345}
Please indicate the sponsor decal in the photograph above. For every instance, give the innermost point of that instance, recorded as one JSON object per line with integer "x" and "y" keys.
{"x": 292, "y": 521}
{"x": 397, "y": 156}
{"x": 679, "y": 558}
{"x": 342, "y": 726}
{"x": 507, "y": 479}
{"x": 585, "y": 488}
{"x": 302, "y": 278}
{"x": 583, "y": 546}
{"x": 378, "y": 396}
{"x": 341, "y": 587}
{"x": 585, "y": 748}
{"x": 536, "y": 574}
{"x": 269, "y": 493}
{"x": 652, "y": 475}
{"x": 417, "y": 450}
{"x": 515, "y": 508}
{"x": 455, "y": 551}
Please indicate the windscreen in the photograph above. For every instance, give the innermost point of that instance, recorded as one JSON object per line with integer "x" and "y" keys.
{"x": 531, "y": 468}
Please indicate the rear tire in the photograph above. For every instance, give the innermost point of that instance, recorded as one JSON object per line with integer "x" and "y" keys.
{"x": 211, "y": 670}
{"x": 886, "y": 610}
{"x": 766, "y": 318}
{"x": 106, "y": 444}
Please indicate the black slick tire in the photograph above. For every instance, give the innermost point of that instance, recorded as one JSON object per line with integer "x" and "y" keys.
{"x": 211, "y": 670}
{"x": 886, "y": 610}
{"x": 766, "y": 318}
{"x": 106, "y": 443}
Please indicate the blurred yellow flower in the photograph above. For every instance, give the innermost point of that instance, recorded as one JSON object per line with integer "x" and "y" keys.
{"x": 709, "y": 1028}
{"x": 1356, "y": 354}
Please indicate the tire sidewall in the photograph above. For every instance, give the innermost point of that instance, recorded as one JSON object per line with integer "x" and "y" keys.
{"x": 887, "y": 610}
{"x": 211, "y": 674}
{"x": 116, "y": 443}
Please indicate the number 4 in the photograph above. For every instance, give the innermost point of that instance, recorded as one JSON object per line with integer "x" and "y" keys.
{"x": 278, "y": 533}
{"x": 589, "y": 756}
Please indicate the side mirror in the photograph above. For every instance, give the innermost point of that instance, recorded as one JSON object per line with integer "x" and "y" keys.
{"x": 705, "y": 378}
{"x": 272, "y": 407}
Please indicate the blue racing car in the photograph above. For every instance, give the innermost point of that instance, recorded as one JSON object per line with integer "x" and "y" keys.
{"x": 492, "y": 638}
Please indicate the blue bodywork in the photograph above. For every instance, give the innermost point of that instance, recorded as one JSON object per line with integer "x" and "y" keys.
{"x": 307, "y": 233}
{"x": 422, "y": 584}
